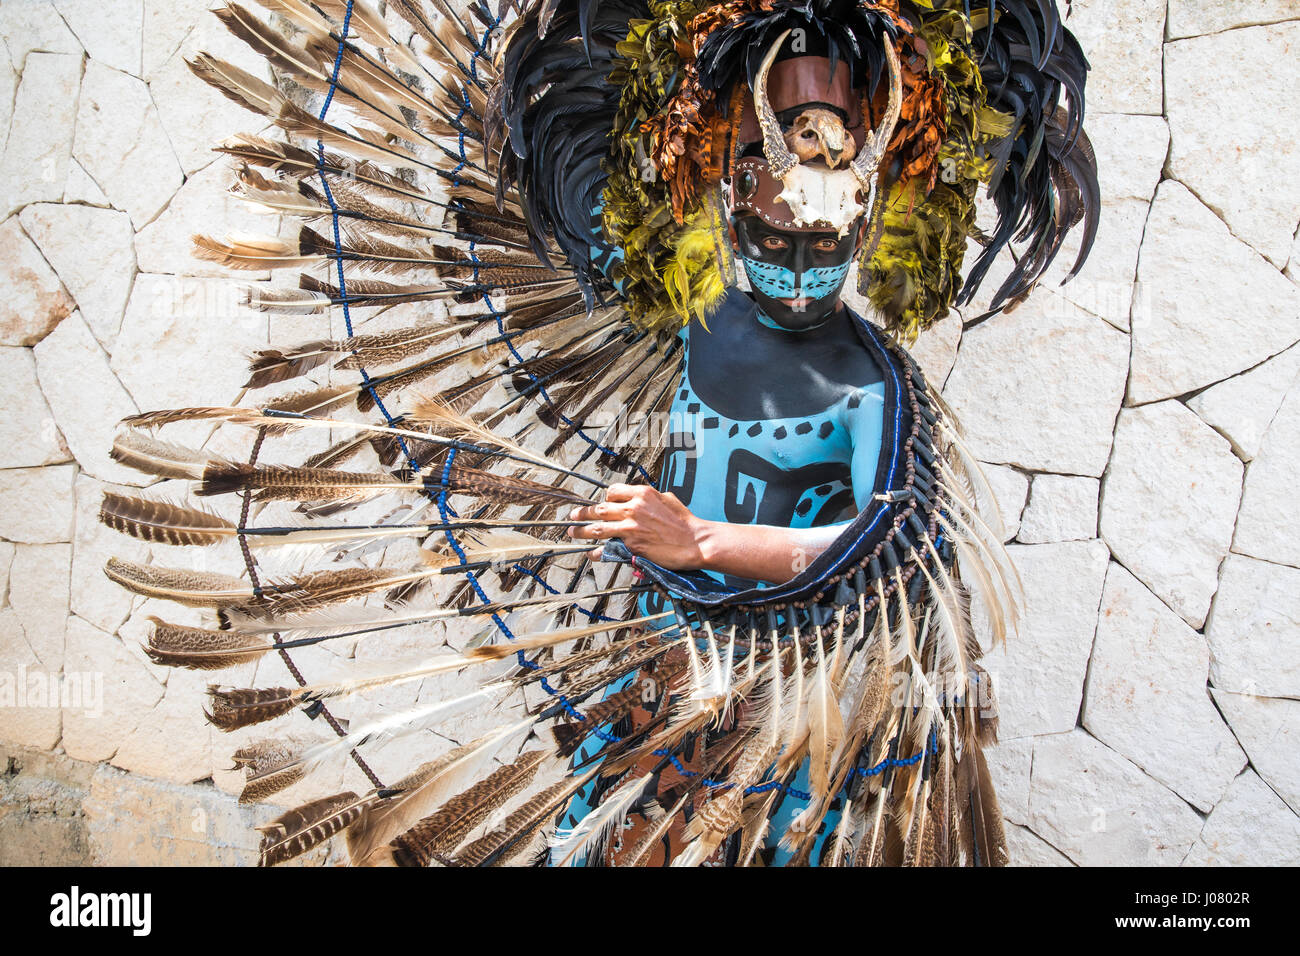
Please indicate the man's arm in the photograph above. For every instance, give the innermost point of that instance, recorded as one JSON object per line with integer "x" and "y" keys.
{"x": 660, "y": 528}
{"x": 657, "y": 526}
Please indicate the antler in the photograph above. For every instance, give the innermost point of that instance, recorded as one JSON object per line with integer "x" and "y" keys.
{"x": 779, "y": 158}
{"x": 868, "y": 159}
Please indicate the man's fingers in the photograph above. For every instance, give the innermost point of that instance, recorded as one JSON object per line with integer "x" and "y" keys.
{"x": 605, "y": 511}
{"x": 598, "y": 530}
{"x": 622, "y": 492}
{"x": 596, "y": 554}
{"x": 585, "y": 532}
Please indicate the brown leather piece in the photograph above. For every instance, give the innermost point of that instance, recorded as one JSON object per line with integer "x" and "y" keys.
{"x": 794, "y": 82}
{"x": 763, "y": 201}
{"x": 805, "y": 80}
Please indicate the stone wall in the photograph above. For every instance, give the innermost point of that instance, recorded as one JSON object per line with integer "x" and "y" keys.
{"x": 1138, "y": 423}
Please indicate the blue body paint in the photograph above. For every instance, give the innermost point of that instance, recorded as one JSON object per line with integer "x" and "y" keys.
{"x": 820, "y": 465}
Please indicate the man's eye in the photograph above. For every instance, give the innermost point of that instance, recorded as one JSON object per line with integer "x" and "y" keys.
{"x": 826, "y": 245}
{"x": 774, "y": 244}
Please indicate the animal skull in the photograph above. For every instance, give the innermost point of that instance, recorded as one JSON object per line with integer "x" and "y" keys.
{"x": 822, "y": 195}
{"x": 820, "y": 132}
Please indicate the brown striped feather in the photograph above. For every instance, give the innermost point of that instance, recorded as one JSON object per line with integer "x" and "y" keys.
{"x": 196, "y": 648}
{"x": 161, "y": 522}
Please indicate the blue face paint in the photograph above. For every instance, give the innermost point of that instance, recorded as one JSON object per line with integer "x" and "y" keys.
{"x": 782, "y": 283}
{"x": 772, "y": 280}
{"x": 819, "y": 283}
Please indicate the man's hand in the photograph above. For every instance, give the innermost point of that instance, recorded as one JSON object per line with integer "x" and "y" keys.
{"x": 656, "y": 526}
{"x": 653, "y": 524}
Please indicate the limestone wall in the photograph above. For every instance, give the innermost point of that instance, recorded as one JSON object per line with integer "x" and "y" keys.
{"x": 1141, "y": 426}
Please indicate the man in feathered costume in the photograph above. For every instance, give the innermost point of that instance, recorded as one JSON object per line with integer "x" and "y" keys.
{"x": 744, "y": 639}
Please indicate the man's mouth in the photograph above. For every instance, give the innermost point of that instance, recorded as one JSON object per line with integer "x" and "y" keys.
{"x": 801, "y": 303}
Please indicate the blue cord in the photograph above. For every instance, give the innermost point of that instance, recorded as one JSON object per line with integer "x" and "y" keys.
{"x": 879, "y": 768}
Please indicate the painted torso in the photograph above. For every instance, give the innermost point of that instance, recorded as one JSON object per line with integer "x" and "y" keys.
{"x": 766, "y": 427}
{"x": 773, "y": 427}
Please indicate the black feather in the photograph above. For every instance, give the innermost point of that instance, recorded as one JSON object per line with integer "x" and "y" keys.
{"x": 1027, "y": 58}
{"x": 841, "y": 30}
{"x": 556, "y": 142}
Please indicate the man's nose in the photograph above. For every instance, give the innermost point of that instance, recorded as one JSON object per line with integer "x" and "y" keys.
{"x": 799, "y": 260}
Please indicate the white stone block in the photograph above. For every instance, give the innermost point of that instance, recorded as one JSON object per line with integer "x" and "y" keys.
{"x": 36, "y": 504}
{"x": 38, "y": 592}
{"x": 1009, "y": 765}
{"x": 1122, "y": 42}
{"x": 90, "y": 248}
{"x": 1168, "y": 501}
{"x": 27, "y": 717}
{"x": 95, "y": 598}
{"x": 1027, "y": 848}
{"x": 97, "y": 727}
{"x": 35, "y": 301}
{"x": 8, "y": 86}
{"x": 203, "y": 205}
{"x": 87, "y": 399}
{"x": 1130, "y": 150}
{"x": 1269, "y": 729}
{"x": 172, "y": 741}
{"x": 6, "y": 559}
{"x": 1146, "y": 696}
{"x": 166, "y": 24}
{"x": 1250, "y": 827}
{"x": 1038, "y": 676}
{"x": 1061, "y": 508}
{"x": 35, "y": 25}
{"x": 81, "y": 189}
{"x": 28, "y": 434}
{"x": 186, "y": 341}
{"x": 195, "y": 115}
{"x": 1011, "y": 489}
{"x": 1268, "y": 524}
{"x": 121, "y": 143}
{"x": 1254, "y": 629}
{"x": 110, "y": 32}
{"x": 1212, "y": 307}
{"x": 34, "y": 164}
{"x": 1040, "y": 387}
{"x": 936, "y": 349}
{"x": 1260, "y": 200}
{"x": 1197, "y": 17}
{"x": 1242, "y": 408}
{"x": 1100, "y": 810}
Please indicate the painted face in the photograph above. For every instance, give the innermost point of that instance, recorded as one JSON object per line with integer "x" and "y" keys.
{"x": 796, "y": 277}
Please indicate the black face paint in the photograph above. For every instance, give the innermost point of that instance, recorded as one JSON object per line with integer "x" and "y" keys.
{"x": 796, "y": 277}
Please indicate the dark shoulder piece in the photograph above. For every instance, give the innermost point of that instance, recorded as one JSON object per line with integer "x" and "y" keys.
{"x": 748, "y": 371}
